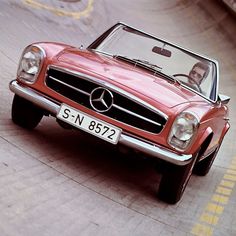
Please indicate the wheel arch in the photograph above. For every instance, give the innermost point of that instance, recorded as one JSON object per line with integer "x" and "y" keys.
{"x": 205, "y": 141}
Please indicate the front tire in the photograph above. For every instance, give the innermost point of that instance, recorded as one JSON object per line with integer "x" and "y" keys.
{"x": 174, "y": 181}
{"x": 203, "y": 167}
{"x": 25, "y": 114}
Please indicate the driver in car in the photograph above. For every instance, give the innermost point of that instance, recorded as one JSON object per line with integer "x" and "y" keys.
{"x": 197, "y": 74}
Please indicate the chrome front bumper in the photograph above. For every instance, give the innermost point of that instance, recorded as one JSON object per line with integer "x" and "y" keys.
{"x": 125, "y": 139}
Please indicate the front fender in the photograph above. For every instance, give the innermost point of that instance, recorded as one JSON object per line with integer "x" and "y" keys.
{"x": 205, "y": 141}
{"x": 207, "y": 146}
{"x": 225, "y": 130}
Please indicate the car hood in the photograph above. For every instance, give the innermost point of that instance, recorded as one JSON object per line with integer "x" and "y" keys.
{"x": 135, "y": 80}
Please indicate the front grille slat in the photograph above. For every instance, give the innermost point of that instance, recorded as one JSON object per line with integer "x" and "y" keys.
{"x": 78, "y": 88}
{"x": 70, "y": 86}
{"x": 136, "y": 115}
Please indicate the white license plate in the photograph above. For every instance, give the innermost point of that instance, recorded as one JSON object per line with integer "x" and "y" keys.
{"x": 89, "y": 124}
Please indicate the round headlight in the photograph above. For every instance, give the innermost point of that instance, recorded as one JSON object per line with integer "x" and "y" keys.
{"x": 183, "y": 130}
{"x": 30, "y": 63}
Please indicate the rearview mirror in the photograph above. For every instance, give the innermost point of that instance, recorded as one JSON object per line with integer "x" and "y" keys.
{"x": 161, "y": 51}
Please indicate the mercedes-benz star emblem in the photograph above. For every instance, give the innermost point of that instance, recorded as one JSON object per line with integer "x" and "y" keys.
{"x": 101, "y": 99}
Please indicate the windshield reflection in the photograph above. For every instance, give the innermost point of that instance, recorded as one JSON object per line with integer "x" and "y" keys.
{"x": 192, "y": 71}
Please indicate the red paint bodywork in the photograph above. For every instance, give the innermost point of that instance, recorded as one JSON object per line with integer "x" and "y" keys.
{"x": 168, "y": 97}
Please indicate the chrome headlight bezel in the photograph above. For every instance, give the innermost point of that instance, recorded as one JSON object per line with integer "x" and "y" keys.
{"x": 30, "y": 63}
{"x": 183, "y": 130}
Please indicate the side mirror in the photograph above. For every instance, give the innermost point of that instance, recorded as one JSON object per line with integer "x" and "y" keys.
{"x": 224, "y": 99}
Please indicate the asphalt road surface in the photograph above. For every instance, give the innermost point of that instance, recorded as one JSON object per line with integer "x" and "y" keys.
{"x": 59, "y": 182}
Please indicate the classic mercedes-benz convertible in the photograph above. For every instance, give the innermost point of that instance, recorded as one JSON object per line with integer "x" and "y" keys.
{"x": 132, "y": 89}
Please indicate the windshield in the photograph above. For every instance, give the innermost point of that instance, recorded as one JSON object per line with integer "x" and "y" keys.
{"x": 192, "y": 71}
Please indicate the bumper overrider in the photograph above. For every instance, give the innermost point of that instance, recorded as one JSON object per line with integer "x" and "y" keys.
{"x": 53, "y": 107}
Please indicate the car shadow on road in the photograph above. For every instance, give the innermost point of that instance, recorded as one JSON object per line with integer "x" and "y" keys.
{"x": 106, "y": 169}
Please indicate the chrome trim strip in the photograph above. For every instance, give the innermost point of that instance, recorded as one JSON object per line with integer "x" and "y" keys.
{"x": 34, "y": 97}
{"x": 70, "y": 86}
{"x": 136, "y": 115}
{"x": 110, "y": 86}
{"x": 155, "y": 151}
{"x": 133, "y": 142}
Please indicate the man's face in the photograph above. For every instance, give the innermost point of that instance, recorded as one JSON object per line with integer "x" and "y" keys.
{"x": 197, "y": 74}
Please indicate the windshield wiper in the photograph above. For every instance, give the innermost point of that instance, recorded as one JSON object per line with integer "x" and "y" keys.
{"x": 124, "y": 58}
{"x": 149, "y": 66}
{"x": 145, "y": 62}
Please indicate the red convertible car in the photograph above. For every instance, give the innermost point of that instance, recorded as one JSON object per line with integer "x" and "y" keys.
{"x": 132, "y": 89}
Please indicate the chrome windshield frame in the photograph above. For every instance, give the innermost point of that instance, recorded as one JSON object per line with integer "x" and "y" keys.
{"x": 109, "y": 33}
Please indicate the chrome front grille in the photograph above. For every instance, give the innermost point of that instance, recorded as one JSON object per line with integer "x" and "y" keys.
{"x": 78, "y": 87}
